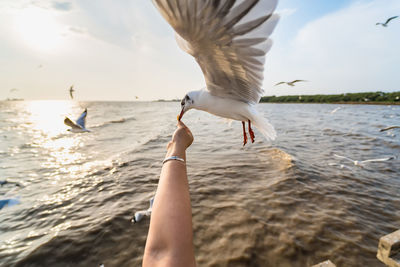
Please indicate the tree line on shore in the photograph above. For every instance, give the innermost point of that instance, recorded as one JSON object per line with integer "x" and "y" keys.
{"x": 362, "y": 98}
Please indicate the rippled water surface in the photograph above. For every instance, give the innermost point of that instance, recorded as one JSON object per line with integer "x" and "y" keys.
{"x": 289, "y": 202}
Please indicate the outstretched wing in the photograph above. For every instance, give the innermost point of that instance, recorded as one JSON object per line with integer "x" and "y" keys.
{"x": 296, "y": 81}
{"x": 82, "y": 119}
{"x": 343, "y": 157}
{"x": 279, "y": 83}
{"x": 377, "y": 160}
{"x": 71, "y": 124}
{"x": 228, "y": 38}
{"x": 389, "y": 19}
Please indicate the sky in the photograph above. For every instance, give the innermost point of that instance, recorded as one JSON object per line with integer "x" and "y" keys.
{"x": 123, "y": 49}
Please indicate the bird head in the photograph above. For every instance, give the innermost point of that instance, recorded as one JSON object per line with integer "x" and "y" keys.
{"x": 188, "y": 102}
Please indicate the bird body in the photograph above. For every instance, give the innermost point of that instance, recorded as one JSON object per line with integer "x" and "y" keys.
{"x": 71, "y": 91}
{"x": 229, "y": 40}
{"x": 230, "y": 109}
{"x": 362, "y": 162}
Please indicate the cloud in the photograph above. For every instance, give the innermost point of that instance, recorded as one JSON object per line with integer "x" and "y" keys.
{"x": 341, "y": 52}
{"x": 62, "y": 6}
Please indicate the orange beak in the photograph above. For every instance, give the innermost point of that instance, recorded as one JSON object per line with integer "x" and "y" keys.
{"x": 181, "y": 114}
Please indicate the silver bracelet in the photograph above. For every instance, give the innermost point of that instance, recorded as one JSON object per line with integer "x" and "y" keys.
{"x": 173, "y": 158}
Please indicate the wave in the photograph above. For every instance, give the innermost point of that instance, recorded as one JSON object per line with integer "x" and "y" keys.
{"x": 121, "y": 120}
{"x": 277, "y": 157}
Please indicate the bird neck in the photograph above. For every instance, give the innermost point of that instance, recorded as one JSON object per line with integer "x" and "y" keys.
{"x": 201, "y": 99}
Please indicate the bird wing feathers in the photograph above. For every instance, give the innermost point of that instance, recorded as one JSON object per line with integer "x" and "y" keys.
{"x": 71, "y": 124}
{"x": 389, "y": 19}
{"x": 228, "y": 38}
{"x": 377, "y": 160}
{"x": 280, "y": 83}
{"x": 82, "y": 119}
{"x": 296, "y": 81}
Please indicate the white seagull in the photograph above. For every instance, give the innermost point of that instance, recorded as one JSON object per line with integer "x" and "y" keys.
{"x": 79, "y": 125}
{"x": 291, "y": 83}
{"x": 140, "y": 214}
{"x": 360, "y": 163}
{"x": 336, "y": 109}
{"x": 229, "y": 40}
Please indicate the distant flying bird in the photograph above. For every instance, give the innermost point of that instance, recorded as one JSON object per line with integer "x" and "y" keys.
{"x": 71, "y": 90}
{"x": 362, "y": 162}
{"x": 13, "y": 90}
{"x": 389, "y": 128}
{"x": 387, "y": 21}
{"x": 136, "y": 97}
{"x": 229, "y": 40}
{"x": 79, "y": 125}
{"x": 140, "y": 214}
{"x": 290, "y": 83}
{"x": 40, "y": 66}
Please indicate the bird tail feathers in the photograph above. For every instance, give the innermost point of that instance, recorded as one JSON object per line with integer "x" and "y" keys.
{"x": 263, "y": 125}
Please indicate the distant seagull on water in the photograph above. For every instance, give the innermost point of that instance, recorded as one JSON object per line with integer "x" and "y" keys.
{"x": 291, "y": 83}
{"x": 140, "y": 214}
{"x": 362, "y": 162}
{"x": 79, "y": 125}
{"x": 389, "y": 128}
{"x": 229, "y": 40}
{"x": 71, "y": 91}
{"x": 336, "y": 109}
{"x": 387, "y": 21}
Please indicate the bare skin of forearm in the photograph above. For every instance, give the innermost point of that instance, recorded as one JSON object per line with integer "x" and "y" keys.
{"x": 170, "y": 238}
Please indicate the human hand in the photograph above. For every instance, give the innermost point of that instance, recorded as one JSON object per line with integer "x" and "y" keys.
{"x": 181, "y": 140}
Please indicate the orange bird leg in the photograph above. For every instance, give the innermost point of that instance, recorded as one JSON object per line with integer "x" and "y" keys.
{"x": 244, "y": 134}
{"x": 252, "y": 136}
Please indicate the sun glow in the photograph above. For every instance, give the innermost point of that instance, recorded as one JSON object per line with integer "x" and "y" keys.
{"x": 39, "y": 29}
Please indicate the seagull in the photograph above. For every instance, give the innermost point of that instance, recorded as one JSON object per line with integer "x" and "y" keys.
{"x": 389, "y": 128}
{"x": 8, "y": 202}
{"x": 387, "y": 21}
{"x": 229, "y": 40}
{"x": 79, "y": 126}
{"x": 13, "y": 90}
{"x": 360, "y": 163}
{"x": 290, "y": 83}
{"x": 71, "y": 90}
{"x": 140, "y": 214}
{"x": 336, "y": 109}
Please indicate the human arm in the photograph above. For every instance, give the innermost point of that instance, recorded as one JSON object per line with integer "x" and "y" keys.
{"x": 170, "y": 237}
